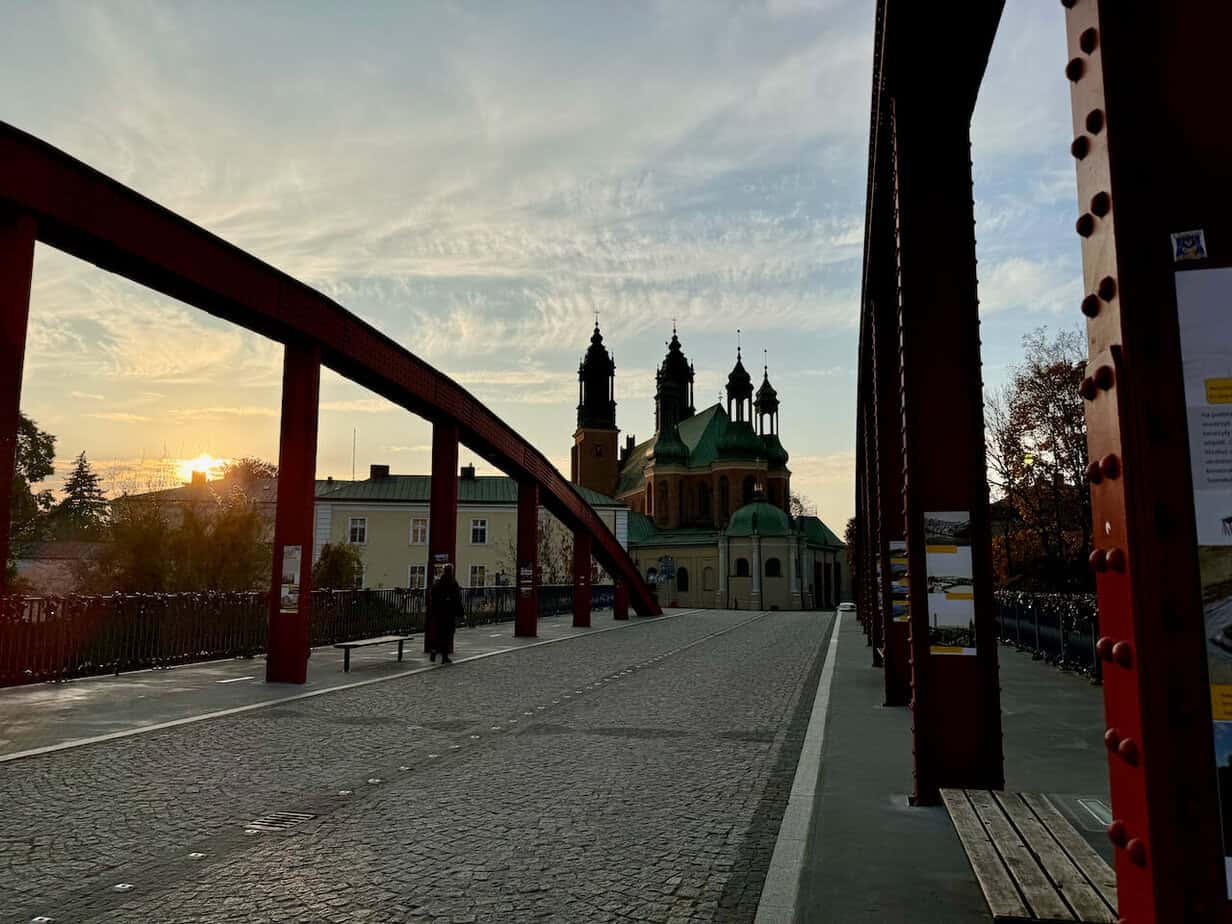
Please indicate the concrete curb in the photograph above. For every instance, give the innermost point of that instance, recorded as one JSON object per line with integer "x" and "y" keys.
{"x": 265, "y": 704}
{"x": 782, "y": 888}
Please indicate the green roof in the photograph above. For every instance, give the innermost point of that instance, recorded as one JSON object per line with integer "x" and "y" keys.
{"x": 817, "y": 533}
{"x": 760, "y": 517}
{"x": 483, "y": 489}
{"x": 643, "y": 532}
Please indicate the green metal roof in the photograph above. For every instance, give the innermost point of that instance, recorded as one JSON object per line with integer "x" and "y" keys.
{"x": 483, "y": 489}
{"x": 817, "y": 533}
{"x": 643, "y": 532}
{"x": 760, "y": 517}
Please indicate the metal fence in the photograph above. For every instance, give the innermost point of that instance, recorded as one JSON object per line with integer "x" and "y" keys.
{"x": 1059, "y": 628}
{"x": 56, "y": 638}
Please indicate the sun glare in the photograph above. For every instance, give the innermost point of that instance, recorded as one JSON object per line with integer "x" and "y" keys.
{"x": 205, "y": 462}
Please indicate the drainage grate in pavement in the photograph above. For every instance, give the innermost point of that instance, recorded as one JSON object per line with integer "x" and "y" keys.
{"x": 278, "y": 821}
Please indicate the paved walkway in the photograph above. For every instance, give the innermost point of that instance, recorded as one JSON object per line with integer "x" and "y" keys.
{"x": 50, "y": 715}
{"x": 873, "y": 858}
{"x": 637, "y": 774}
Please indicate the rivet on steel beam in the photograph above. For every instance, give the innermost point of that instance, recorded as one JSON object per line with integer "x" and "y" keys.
{"x": 1081, "y": 147}
{"x": 1094, "y": 475}
{"x": 1117, "y": 833}
{"x": 1123, "y": 654}
{"x": 1068, "y": 4}
{"x": 1128, "y": 749}
{"x": 1074, "y": 70}
{"x": 1087, "y": 388}
{"x": 1107, "y": 288}
{"x": 1090, "y": 306}
{"x": 1112, "y": 738}
{"x": 1085, "y": 225}
{"x": 1101, "y": 204}
{"x": 1098, "y": 560}
{"x": 1137, "y": 851}
{"x": 1116, "y": 560}
{"x": 1103, "y": 647}
{"x": 1110, "y": 466}
{"x": 1104, "y": 377}
{"x": 1086, "y": 41}
{"x": 1095, "y": 121}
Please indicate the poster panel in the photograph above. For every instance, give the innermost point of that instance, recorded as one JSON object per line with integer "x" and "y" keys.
{"x": 899, "y": 584}
{"x": 951, "y": 590}
{"x": 1204, "y": 313}
{"x": 288, "y": 595}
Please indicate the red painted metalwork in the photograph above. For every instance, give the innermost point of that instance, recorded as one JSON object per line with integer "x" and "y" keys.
{"x": 81, "y": 211}
{"x": 287, "y": 661}
{"x": 581, "y": 580}
{"x": 17, "y": 236}
{"x": 620, "y": 601}
{"x": 442, "y": 512}
{"x": 526, "y": 616}
{"x": 920, "y": 262}
{"x": 1148, "y": 88}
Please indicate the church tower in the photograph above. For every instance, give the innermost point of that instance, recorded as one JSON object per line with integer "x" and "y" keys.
{"x": 595, "y": 462}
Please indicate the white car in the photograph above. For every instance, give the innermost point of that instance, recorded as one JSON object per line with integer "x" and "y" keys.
{"x": 846, "y": 607}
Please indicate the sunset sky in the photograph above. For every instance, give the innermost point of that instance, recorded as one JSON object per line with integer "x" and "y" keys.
{"x": 477, "y": 179}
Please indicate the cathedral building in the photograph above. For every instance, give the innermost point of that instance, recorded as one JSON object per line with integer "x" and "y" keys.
{"x": 709, "y": 492}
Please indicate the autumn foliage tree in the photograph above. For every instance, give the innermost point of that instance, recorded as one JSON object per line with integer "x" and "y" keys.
{"x": 1037, "y": 456}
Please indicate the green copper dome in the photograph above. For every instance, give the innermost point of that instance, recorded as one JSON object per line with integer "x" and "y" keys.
{"x": 774, "y": 451}
{"x": 740, "y": 442}
{"x": 669, "y": 449}
{"x": 761, "y": 518}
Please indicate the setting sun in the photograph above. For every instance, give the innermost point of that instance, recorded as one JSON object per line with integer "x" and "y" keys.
{"x": 203, "y": 463}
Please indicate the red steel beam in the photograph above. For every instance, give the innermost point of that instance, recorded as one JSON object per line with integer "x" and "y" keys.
{"x": 93, "y": 217}
{"x": 1152, "y": 148}
{"x": 290, "y": 600}
{"x": 17, "y": 236}
{"x": 581, "y": 580}
{"x": 442, "y": 513}
{"x": 526, "y": 613}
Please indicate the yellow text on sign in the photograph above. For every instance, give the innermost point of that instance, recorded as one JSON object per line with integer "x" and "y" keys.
{"x": 941, "y": 549}
{"x": 1221, "y": 702}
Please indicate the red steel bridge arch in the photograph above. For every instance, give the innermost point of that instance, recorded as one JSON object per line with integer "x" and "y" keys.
{"x": 1151, "y": 146}
{"x": 47, "y": 196}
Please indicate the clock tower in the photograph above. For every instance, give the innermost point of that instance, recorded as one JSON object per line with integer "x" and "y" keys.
{"x": 595, "y": 464}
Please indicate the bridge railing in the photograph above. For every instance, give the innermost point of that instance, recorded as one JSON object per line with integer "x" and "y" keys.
{"x": 1059, "y": 628}
{"x": 57, "y": 638}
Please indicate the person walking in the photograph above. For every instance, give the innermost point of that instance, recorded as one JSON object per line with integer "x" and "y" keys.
{"x": 444, "y": 611}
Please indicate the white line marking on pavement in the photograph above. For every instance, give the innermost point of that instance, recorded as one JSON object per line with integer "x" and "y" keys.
{"x": 782, "y": 887}
{"x": 188, "y": 720}
{"x": 236, "y": 679}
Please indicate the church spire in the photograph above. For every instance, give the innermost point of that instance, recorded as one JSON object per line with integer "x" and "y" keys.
{"x": 597, "y": 385}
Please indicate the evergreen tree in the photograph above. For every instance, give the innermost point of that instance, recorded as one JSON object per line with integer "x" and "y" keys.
{"x": 35, "y": 455}
{"x": 83, "y": 512}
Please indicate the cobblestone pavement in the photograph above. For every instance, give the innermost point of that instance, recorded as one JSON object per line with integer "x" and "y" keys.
{"x": 628, "y": 776}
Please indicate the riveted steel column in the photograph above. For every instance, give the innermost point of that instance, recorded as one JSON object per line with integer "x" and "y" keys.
{"x": 442, "y": 511}
{"x": 581, "y": 580}
{"x": 291, "y": 598}
{"x": 17, "y": 236}
{"x": 526, "y": 621}
{"x": 1152, "y": 148}
{"x": 957, "y": 711}
{"x": 620, "y": 601}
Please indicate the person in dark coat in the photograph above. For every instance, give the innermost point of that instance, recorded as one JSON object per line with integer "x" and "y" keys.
{"x": 444, "y": 612}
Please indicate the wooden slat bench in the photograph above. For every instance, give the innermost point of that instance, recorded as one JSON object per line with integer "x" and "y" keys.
{"x": 365, "y": 642}
{"x": 1029, "y": 860}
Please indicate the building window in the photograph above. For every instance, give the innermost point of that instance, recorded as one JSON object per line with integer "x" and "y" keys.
{"x": 419, "y": 531}
{"x": 773, "y": 568}
{"x": 724, "y": 506}
{"x": 708, "y": 579}
{"x": 747, "y": 489}
{"x": 417, "y": 578}
{"x": 742, "y": 567}
{"x": 478, "y": 575}
{"x": 479, "y": 532}
{"x": 682, "y": 579}
{"x": 358, "y": 531}
{"x": 703, "y": 501}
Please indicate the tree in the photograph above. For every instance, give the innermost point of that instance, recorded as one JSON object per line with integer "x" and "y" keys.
{"x": 800, "y": 506}
{"x": 34, "y": 461}
{"x": 82, "y": 515}
{"x": 850, "y": 534}
{"x": 1037, "y": 456}
{"x": 248, "y": 469}
{"x": 340, "y": 567}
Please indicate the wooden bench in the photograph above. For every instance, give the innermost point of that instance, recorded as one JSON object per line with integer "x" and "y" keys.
{"x": 1030, "y": 861}
{"x": 365, "y": 642}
